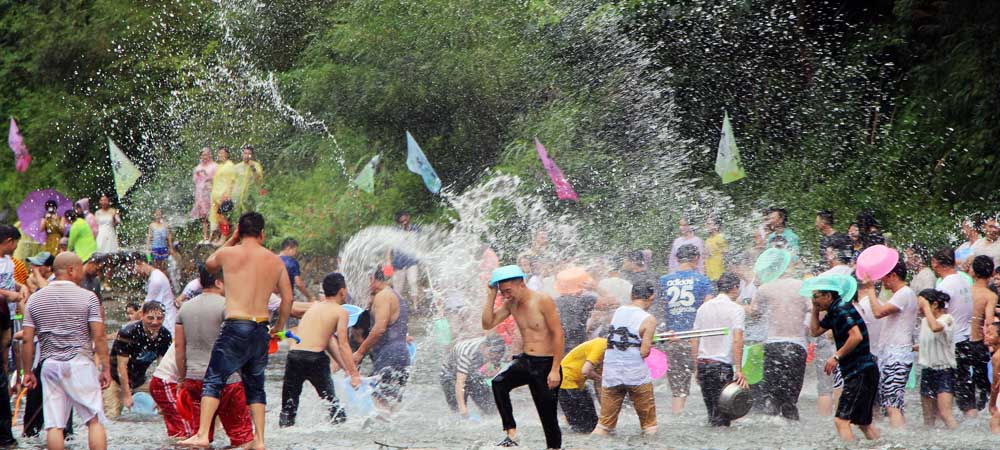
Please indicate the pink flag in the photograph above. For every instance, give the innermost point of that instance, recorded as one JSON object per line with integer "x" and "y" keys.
{"x": 16, "y": 142}
{"x": 563, "y": 189}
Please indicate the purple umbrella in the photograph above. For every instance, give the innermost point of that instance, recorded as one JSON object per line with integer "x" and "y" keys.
{"x": 32, "y": 210}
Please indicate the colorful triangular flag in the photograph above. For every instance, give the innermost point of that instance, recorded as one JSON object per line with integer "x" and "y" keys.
{"x": 366, "y": 178}
{"x": 21, "y": 156}
{"x": 418, "y": 164}
{"x": 125, "y": 172}
{"x": 727, "y": 162}
{"x": 563, "y": 189}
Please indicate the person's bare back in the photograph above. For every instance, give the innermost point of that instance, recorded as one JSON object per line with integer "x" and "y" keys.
{"x": 318, "y": 325}
{"x": 252, "y": 272}
{"x": 983, "y": 302}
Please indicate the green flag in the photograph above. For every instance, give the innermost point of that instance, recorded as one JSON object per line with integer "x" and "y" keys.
{"x": 366, "y": 178}
{"x": 126, "y": 173}
{"x": 727, "y": 162}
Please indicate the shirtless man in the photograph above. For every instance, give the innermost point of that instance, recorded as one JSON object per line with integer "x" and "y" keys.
{"x": 308, "y": 359}
{"x": 538, "y": 367}
{"x": 387, "y": 342}
{"x": 983, "y": 300}
{"x": 252, "y": 273}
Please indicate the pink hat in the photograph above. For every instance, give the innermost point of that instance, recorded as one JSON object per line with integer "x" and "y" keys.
{"x": 573, "y": 280}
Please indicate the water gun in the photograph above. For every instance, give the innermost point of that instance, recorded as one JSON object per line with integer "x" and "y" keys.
{"x": 280, "y": 336}
{"x": 691, "y": 334}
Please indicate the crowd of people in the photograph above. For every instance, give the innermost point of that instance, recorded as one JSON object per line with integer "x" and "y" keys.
{"x": 576, "y": 332}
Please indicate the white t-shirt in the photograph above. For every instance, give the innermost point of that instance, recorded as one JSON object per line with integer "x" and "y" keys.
{"x": 874, "y": 325}
{"x": 718, "y": 312}
{"x": 192, "y": 289}
{"x": 166, "y": 370}
{"x": 896, "y": 340}
{"x": 618, "y": 288}
{"x": 158, "y": 290}
{"x": 936, "y": 349}
{"x": 984, "y": 247}
{"x": 7, "y": 274}
{"x": 960, "y": 306}
{"x": 925, "y": 279}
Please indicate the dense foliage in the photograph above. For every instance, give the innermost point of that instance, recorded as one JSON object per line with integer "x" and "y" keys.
{"x": 884, "y": 105}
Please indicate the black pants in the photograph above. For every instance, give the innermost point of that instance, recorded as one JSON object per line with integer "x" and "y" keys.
{"x": 713, "y": 377}
{"x": 315, "y": 367}
{"x": 6, "y": 434}
{"x": 34, "y": 417}
{"x": 475, "y": 388}
{"x": 784, "y": 369}
{"x": 534, "y": 372}
{"x": 578, "y": 404}
{"x": 972, "y": 385}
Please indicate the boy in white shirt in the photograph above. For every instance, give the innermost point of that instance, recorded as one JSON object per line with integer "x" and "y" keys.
{"x": 716, "y": 354}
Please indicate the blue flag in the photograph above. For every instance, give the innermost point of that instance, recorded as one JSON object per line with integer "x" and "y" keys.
{"x": 418, "y": 164}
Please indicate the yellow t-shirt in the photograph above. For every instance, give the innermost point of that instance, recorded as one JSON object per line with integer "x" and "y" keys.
{"x": 716, "y": 246}
{"x": 572, "y": 363}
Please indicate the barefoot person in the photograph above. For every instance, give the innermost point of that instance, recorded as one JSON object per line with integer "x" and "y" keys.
{"x": 308, "y": 359}
{"x": 252, "y": 273}
{"x": 67, "y": 320}
{"x": 937, "y": 357}
{"x": 538, "y": 367}
{"x": 198, "y": 323}
{"x": 834, "y": 294}
{"x": 387, "y": 342}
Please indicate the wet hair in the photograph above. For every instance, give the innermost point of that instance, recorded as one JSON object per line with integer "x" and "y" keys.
{"x": 251, "y": 224}
{"x": 151, "y": 306}
{"x": 866, "y": 220}
{"x": 921, "y": 251}
{"x": 636, "y": 257}
{"x": 945, "y": 256}
{"x": 982, "y": 266}
{"x": 495, "y": 343}
{"x": 727, "y": 282}
{"x": 379, "y": 274}
{"x": 399, "y": 215}
{"x": 364, "y": 323}
{"x": 247, "y": 147}
{"x": 782, "y": 213}
{"x": 207, "y": 278}
{"x": 687, "y": 252}
{"x": 900, "y": 270}
{"x": 9, "y": 232}
{"x": 642, "y": 289}
{"x": 289, "y": 243}
{"x": 936, "y": 297}
{"x": 136, "y": 258}
{"x": 977, "y": 220}
{"x": 135, "y": 306}
{"x": 825, "y": 216}
{"x": 841, "y": 244}
{"x": 333, "y": 282}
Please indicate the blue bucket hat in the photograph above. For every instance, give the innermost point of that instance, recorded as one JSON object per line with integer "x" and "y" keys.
{"x": 506, "y": 273}
{"x": 772, "y": 264}
{"x": 844, "y": 285}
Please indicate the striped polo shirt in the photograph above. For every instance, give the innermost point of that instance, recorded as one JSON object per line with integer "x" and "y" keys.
{"x": 61, "y": 314}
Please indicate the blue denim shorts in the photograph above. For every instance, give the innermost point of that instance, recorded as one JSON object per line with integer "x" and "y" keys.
{"x": 937, "y": 381}
{"x": 241, "y": 346}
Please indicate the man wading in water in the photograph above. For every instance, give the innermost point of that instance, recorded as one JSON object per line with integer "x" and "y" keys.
{"x": 252, "y": 273}
{"x": 538, "y": 367}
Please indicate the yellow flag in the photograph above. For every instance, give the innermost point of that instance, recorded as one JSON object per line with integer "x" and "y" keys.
{"x": 126, "y": 173}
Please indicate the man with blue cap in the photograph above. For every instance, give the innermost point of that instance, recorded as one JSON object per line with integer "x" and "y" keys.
{"x": 834, "y": 294}
{"x": 538, "y": 367}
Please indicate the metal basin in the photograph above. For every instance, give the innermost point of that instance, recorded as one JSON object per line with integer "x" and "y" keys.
{"x": 734, "y": 401}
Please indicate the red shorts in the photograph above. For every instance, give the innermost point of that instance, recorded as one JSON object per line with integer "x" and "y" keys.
{"x": 165, "y": 396}
{"x": 233, "y": 411}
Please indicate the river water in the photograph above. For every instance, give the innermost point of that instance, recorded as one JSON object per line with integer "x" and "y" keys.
{"x": 425, "y": 422}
